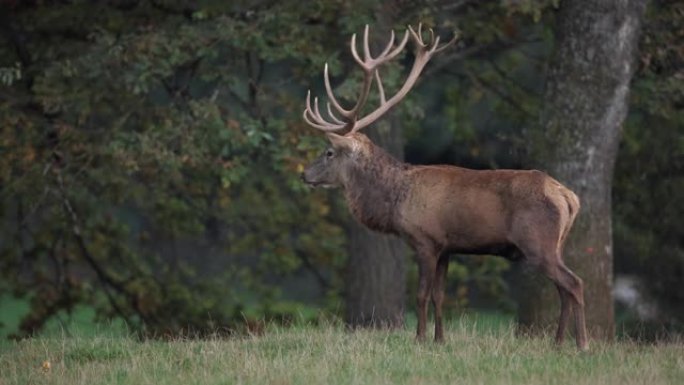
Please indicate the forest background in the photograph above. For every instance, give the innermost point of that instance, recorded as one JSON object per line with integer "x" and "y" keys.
{"x": 150, "y": 154}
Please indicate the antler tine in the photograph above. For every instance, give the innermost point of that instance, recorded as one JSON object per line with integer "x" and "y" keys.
{"x": 453, "y": 40}
{"x": 381, "y": 90}
{"x": 332, "y": 116}
{"x": 366, "y": 45}
{"x": 355, "y": 53}
{"x": 434, "y": 45}
{"x": 308, "y": 121}
{"x": 434, "y": 41}
{"x": 321, "y": 127}
{"x": 398, "y": 49}
{"x": 317, "y": 112}
{"x": 314, "y": 119}
{"x": 417, "y": 38}
{"x": 389, "y": 45}
{"x": 331, "y": 96}
{"x": 307, "y": 110}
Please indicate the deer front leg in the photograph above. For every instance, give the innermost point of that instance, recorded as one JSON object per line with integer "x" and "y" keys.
{"x": 426, "y": 273}
{"x": 438, "y": 295}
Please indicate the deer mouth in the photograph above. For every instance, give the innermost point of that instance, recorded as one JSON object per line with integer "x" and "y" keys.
{"x": 315, "y": 184}
{"x": 319, "y": 184}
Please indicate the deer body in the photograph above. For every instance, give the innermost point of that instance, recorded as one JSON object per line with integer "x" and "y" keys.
{"x": 518, "y": 214}
{"x": 480, "y": 212}
{"x": 457, "y": 209}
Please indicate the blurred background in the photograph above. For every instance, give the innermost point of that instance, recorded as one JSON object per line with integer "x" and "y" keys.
{"x": 150, "y": 153}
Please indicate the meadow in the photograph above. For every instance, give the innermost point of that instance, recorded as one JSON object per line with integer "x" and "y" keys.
{"x": 478, "y": 350}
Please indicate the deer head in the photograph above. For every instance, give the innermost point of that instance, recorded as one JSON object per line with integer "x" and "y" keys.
{"x": 348, "y": 146}
{"x": 331, "y": 168}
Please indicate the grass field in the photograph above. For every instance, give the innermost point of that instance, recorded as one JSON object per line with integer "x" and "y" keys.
{"x": 477, "y": 351}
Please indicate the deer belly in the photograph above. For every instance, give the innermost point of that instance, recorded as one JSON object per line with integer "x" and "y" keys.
{"x": 475, "y": 234}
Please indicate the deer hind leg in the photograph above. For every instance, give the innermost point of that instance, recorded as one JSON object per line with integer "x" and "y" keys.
{"x": 576, "y": 289}
{"x": 438, "y": 295}
{"x": 542, "y": 244}
{"x": 570, "y": 289}
{"x": 564, "y": 314}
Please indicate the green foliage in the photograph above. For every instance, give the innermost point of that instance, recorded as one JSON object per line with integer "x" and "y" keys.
{"x": 150, "y": 161}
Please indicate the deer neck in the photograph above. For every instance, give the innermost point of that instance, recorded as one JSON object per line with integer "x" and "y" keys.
{"x": 375, "y": 188}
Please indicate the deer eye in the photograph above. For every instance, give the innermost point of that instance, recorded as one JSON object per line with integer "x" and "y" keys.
{"x": 329, "y": 153}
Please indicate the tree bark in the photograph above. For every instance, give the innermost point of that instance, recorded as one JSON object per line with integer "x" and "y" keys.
{"x": 375, "y": 290}
{"x": 376, "y": 270}
{"x": 577, "y": 142}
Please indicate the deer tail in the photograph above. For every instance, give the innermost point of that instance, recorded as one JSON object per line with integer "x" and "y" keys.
{"x": 573, "y": 206}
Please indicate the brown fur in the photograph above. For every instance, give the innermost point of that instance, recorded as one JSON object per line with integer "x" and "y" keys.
{"x": 445, "y": 209}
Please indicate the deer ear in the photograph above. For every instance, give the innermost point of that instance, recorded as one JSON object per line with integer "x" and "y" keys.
{"x": 341, "y": 142}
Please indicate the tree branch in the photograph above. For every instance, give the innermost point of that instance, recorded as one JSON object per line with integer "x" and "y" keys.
{"x": 502, "y": 95}
{"x": 105, "y": 279}
{"x": 505, "y": 76}
{"x": 447, "y": 60}
{"x": 317, "y": 274}
{"x": 16, "y": 39}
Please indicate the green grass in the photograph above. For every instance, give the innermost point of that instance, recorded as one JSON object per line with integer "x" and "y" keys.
{"x": 80, "y": 320}
{"x": 11, "y": 311}
{"x": 478, "y": 350}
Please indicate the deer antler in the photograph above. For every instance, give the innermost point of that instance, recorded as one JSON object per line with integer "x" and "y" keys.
{"x": 350, "y": 118}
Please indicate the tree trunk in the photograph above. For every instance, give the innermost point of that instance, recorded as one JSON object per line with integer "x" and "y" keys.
{"x": 376, "y": 270}
{"x": 577, "y": 143}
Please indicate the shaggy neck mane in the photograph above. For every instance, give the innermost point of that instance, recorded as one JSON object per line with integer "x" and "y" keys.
{"x": 374, "y": 188}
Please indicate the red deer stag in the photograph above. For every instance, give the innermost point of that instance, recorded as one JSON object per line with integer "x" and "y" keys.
{"x": 517, "y": 214}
